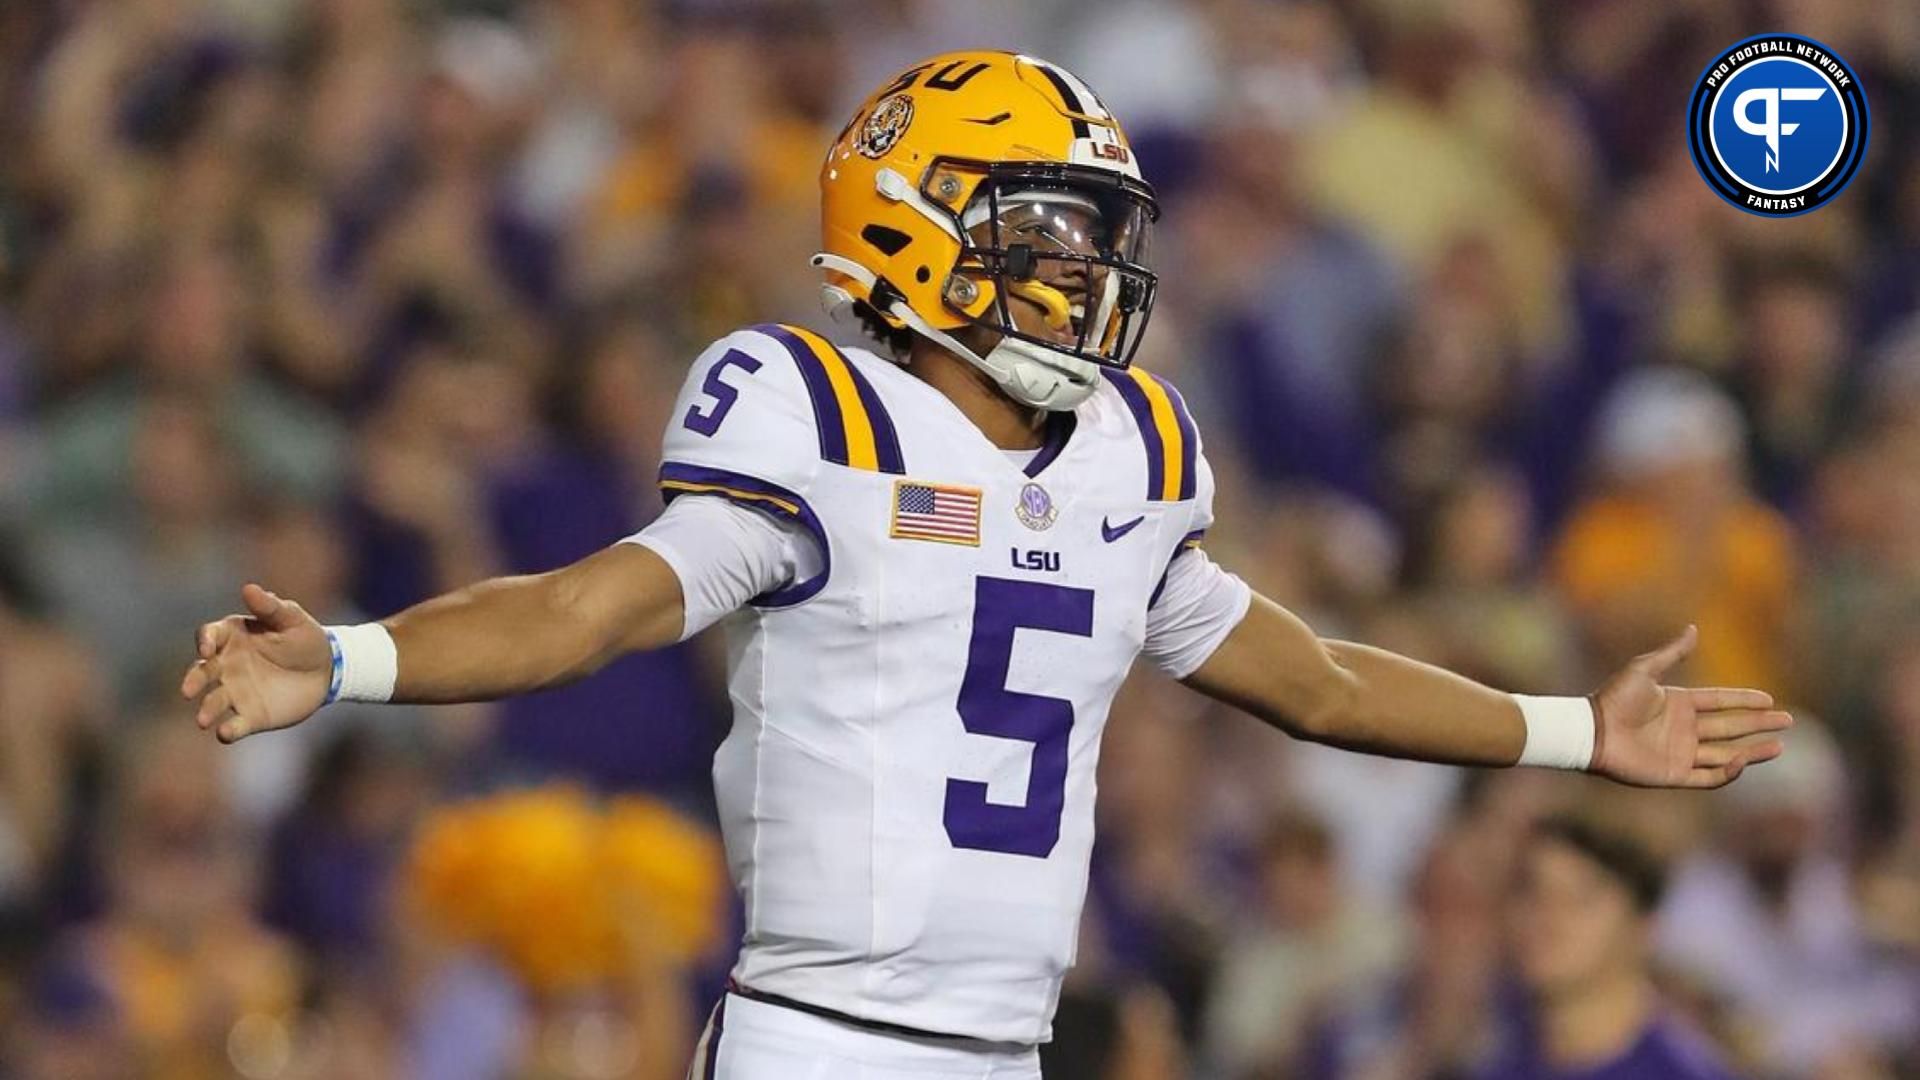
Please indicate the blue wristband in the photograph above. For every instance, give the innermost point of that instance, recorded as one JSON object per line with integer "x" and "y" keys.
{"x": 339, "y": 667}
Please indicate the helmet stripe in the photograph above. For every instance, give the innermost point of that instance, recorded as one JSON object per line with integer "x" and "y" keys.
{"x": 1089, "y": 101}
{"x": 1068, "y": 99}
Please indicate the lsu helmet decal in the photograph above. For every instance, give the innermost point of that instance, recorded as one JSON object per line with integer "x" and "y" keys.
{"x": 993, "y": 189}
{"x": 884, "y": 126}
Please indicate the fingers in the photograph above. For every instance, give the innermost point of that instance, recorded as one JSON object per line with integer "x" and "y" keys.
{"x": 217, "y": 711}
{"x": 1659, "y": 660}
{"x": 217, "y": 707}
{"x": 1713, "y": 698}
{"x": 1739, "y": 723}
{"x": 1765, "y": 750}
{"x": 1715, "y": 755}
{"x": 1714, "y": 776}
{"x": 269, "y": 610}
{"x": 212, "y": 638}
{"x": 199, "y": 677}
{"x": 261, "y": 604}
{"x": 1737, "y": 760}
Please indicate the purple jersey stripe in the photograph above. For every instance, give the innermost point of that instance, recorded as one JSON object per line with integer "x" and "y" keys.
{"x": 826, "y": 408}
{"x": 1142, "y": 410}
{"x": 1060, "y": 427}
{"x": 1189, "y": 437}
{"x": 886, "y": 441}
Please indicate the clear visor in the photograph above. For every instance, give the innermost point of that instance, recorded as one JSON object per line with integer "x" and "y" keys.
{"x": 1063, "y": 222}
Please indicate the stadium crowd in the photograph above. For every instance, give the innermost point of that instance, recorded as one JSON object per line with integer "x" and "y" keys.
{"x": 367, "y": 299}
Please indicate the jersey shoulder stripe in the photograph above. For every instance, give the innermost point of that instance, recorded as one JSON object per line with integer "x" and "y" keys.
{"x": 1166, "y": 428}
{"x": 853, "y": 424}
{"x": 680, "y": 478}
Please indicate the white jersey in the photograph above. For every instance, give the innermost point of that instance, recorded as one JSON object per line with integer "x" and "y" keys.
{"x": 907, "y": 791}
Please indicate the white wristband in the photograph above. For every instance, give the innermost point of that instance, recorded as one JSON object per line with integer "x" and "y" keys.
{"x": 1560, "y": 731}
{"x": 365, "y": 663}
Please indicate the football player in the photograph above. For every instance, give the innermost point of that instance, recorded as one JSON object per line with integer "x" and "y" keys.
{"x": 935, "y": 560}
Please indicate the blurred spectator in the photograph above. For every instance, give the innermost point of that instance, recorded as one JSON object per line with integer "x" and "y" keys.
{"x": 177, "y": 953}
{"x": 1768, "y": 917}
{"x": 1297, "y": 302}
{"x": 192, "y": 343}
{"x": 1312, "y": 942}
{"x": 1473, "y": 584}
{"x": 1674, "y": 538}
{"x": 1889, "y": 864}
{"x": 1795, "y": 375}
{"x": 329, "y": 861}
{"x": 51, "y": 706}
{"x": 1582, "y": 940}
{"x": 125, "y": 589}
{"x": 1150, "y": 886}
{"x": 1432, "y": 1017}
{"x": 69, "y": 1029}
{"x": 1436, "y": 114}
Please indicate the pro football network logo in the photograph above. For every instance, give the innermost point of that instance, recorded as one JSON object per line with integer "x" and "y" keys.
{"x": 1778, "y": 125}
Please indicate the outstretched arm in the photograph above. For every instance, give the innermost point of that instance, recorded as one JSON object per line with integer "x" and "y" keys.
{"x": 273, "y": 667}
{"x": 1363, "y": 698}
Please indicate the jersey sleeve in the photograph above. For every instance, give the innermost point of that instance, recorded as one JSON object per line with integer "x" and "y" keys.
{"x": 744, "y": 429}
{"x": 726, "y": 556}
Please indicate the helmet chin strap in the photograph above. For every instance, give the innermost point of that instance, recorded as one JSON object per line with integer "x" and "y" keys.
{"x": 1033, "y": 375}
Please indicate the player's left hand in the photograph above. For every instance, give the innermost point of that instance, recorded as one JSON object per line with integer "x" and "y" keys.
{"x": 1651, "y": 735}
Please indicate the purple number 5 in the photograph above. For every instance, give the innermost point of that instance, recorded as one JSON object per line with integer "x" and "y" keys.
{"x": 708, "y": 422}
{"x": 987, "y": 707}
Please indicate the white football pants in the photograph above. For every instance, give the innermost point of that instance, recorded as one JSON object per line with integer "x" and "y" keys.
{"x": 753, "y": 1040}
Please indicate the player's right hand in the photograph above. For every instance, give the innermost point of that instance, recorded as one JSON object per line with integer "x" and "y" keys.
{"x": 261, "y": 671}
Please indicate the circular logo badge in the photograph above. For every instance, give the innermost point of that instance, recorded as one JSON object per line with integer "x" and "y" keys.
{"x": 1778, "y": 125}
{"x": 1036, "y": 509}
{"x": 888, "y": 121}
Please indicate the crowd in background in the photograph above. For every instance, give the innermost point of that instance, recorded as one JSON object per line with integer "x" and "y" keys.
{"x": 368, "y": 299}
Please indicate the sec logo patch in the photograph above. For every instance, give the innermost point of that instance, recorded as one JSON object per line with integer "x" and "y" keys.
{"x": 1778, "y": 125}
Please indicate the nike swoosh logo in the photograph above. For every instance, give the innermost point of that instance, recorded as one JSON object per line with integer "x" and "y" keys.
{"x": 1110, "y": 533}
{"x": 991, "y": 120}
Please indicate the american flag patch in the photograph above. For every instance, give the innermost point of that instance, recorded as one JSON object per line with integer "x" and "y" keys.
{"x": 937, "y": 512}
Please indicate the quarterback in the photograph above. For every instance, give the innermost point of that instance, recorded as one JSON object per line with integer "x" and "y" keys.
{"x": 935, "y": 559}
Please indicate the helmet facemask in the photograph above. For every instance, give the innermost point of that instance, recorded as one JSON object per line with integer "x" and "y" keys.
{"x": 1063, "y": 251}
{"x": 1050, "y": 260}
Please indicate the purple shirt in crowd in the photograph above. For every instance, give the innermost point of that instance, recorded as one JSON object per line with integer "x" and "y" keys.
{"x": 1666, "y": 1050}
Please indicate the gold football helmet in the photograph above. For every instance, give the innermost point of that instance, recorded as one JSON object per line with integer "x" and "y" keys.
{"x": 977, "y": 182}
